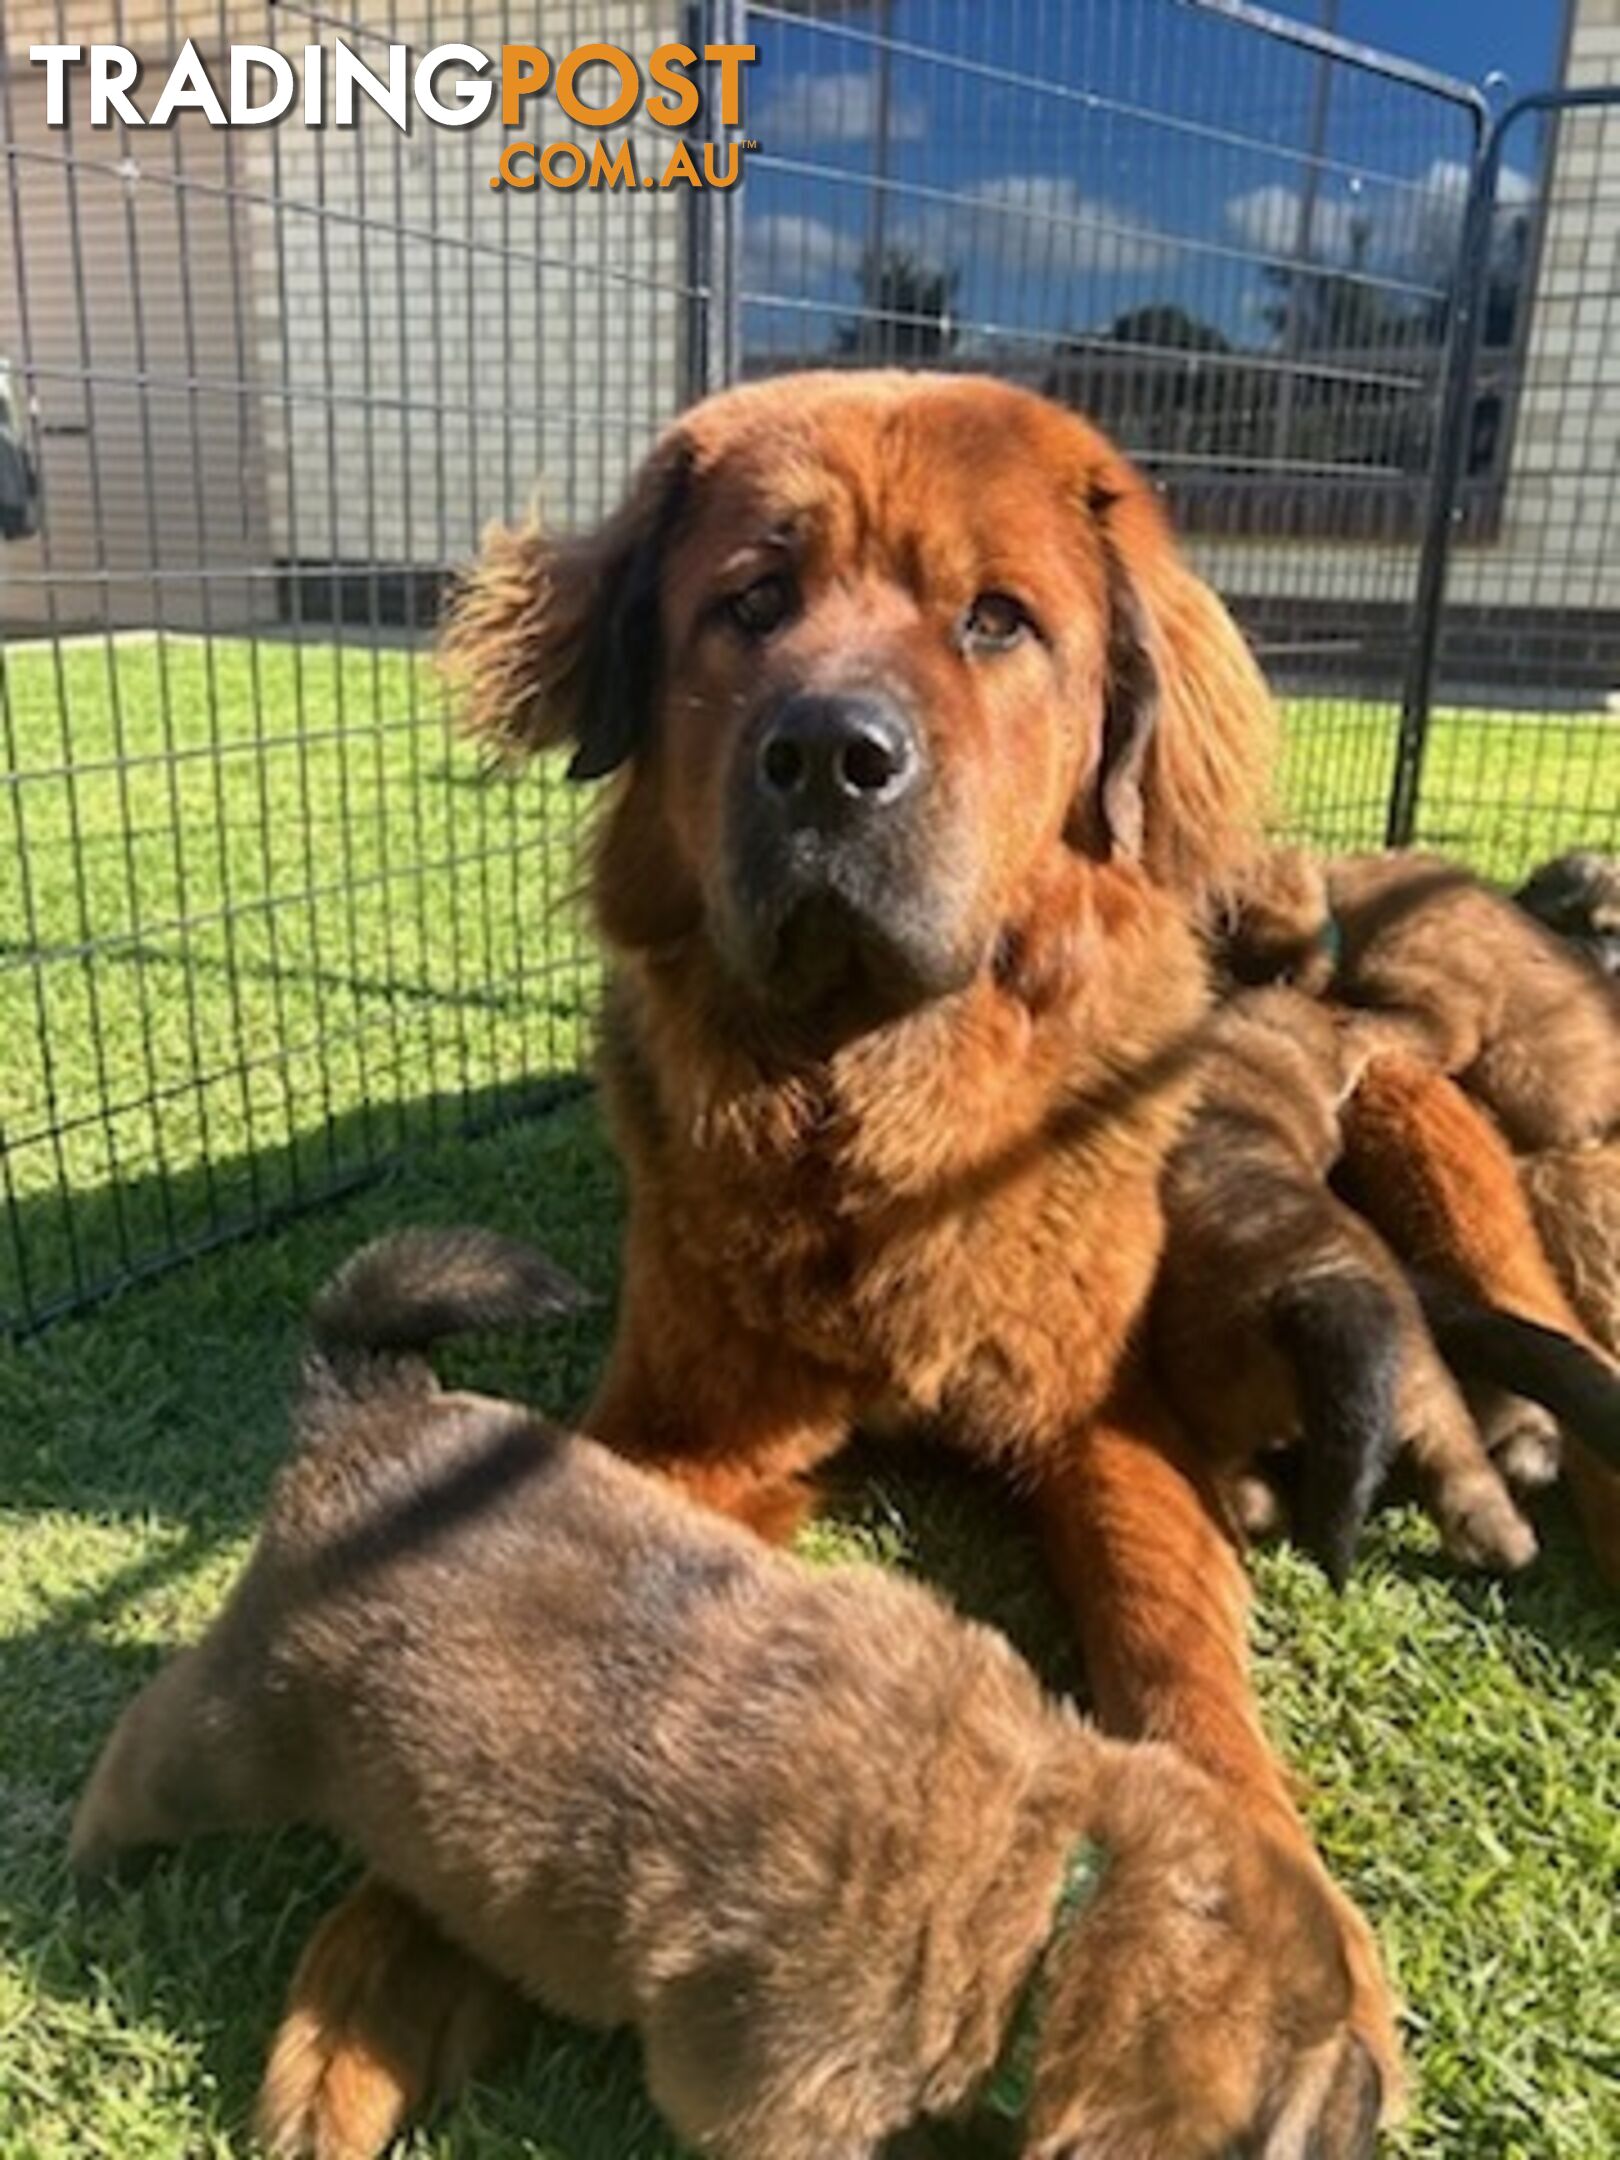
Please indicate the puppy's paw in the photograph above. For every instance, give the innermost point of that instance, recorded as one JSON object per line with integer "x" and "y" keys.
{"x": 342, "y": 2075}
{"x": 383, "y": 2017}
{"x": 1525, "y": 1444}
{"x": 1257, "y": 1507}
{"x": 326, "y": 2096}
{"x": 1220, "y": 1994}
{"x": 1481, "y": 1528}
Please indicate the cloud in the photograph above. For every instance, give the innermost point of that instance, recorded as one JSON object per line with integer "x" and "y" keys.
{"x": 1433, "y": 220}
{"x": 1411, "y": 232}
{"x": 785, "y": 250}
{"x": 841, "y": 107}
{"x": 1267, "y": 219}
{"x": 1040, "y": 223}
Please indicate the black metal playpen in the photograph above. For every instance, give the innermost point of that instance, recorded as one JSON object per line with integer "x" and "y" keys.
{"x": 263, "y": 926}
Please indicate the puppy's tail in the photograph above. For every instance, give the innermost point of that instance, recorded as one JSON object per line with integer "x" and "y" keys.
{"x": 371, "y": 1324}
{"x": 1341, "y": 1337}
{"x": 1483, "y": 1342}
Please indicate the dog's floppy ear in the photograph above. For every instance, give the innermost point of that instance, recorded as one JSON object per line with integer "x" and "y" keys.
{"x": 1189, "y": 729}
{"x": 550, "y": 641}
{"x": 1130, "y": 717}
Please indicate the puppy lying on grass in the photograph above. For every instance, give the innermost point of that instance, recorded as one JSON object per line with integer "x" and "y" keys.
{"x": 1455, "y": 973}
{"x": 825, "y": 1845}
{"x": 1431, "y": 1170}
{"x": 1435, "y": 963}
{"x": 1280, "y": 1314}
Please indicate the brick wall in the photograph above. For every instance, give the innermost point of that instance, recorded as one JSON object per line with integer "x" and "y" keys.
{"x": 1361, "y": 647}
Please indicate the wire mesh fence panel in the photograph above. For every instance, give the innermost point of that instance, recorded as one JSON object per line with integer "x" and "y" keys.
{"x": 261, "y": 926}
{"x": 1521, "y": 756}
{"x": 1230, "y": 242}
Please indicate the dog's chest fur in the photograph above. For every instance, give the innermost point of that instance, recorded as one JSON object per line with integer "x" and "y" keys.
{"x": 960, "y": 1226}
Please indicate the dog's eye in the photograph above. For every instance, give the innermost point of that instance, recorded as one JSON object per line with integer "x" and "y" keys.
{"x": 995, "y": 622}
{"x": 761, "y": 607}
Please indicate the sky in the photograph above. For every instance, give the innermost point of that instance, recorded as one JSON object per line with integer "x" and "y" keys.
{"x": 1469, "y": 38}
{"x": 1069, "y": 162}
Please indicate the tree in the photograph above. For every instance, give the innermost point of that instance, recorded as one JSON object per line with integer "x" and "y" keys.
{"x": 1166, "y": 324}
{"x": 1327, "y": 311}
{"x": 907, "y": 309}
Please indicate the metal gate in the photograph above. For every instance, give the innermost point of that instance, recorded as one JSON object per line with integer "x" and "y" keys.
{"x": 1519, "y": 597}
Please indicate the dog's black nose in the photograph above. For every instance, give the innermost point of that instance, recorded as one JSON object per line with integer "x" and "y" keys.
{"x": 822, "y": 757}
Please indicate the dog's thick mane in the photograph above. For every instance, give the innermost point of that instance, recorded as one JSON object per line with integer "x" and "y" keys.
{"x": 932, "y": 1100}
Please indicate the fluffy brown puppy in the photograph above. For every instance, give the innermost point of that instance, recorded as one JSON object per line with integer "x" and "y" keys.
{"x": 1280, "y": 1313}
{"x": 1432, "y": 1171}
{"x": 825, "y": 1845}
{"x": 924, "y": 754}
{"x": 1455, "y": 972}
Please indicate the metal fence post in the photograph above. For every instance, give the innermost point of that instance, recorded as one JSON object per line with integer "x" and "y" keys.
{"x": 722, "y": 213}
{"x": 1473, "y": 262}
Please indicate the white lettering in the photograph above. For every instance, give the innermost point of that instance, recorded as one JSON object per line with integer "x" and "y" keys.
{"x": 244, "y": 58}
{"x": 189, "y": 90}
{"x": 113, "y": 69}
{"x": 351, "y": 74}
{"x": 55, "y": 60}
{"x": 472, "y": 98}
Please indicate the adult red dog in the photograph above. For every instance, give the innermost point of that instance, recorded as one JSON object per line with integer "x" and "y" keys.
{"x": 927, "y": 752}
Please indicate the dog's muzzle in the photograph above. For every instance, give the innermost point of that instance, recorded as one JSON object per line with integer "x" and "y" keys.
{"x": 833, "y": 863}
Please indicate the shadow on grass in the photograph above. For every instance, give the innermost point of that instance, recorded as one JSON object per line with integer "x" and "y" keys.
{"x": 387, "y": 989}
{"x": 1560, "y": 1603}
{"x": 918, "y": 1508}
{"x": 67, "y": 1249}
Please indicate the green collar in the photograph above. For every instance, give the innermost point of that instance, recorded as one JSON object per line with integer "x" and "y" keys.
{"x": 1007, "y": 2092}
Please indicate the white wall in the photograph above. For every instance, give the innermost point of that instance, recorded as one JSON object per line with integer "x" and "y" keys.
{"x": 1557, "y": 544}
{"x": 430, "y": 346}
{"x": 418, "y": 351}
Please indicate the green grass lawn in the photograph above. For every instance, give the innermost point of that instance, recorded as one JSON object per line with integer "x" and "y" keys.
{"x": 261, "y": 924}
{"x": 1458, "y": 1744}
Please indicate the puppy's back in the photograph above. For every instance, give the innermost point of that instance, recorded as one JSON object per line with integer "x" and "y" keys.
{"x": 1532, "y": 1029}
{"x": 588, "y": 1725}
